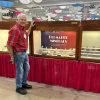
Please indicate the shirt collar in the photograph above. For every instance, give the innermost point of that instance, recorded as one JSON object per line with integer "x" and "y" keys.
{"x": 21, "y": 27}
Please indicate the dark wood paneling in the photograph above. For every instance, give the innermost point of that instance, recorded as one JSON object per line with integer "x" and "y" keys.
{"x": 90, "y": 25}
{"x": 60, "y": 26}
{"x": 8, "y": 24}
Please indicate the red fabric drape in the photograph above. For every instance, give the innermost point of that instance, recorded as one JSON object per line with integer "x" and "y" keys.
{"x": 67, "y": 73}
{"x": 89, "y": 76}
{"x": 6, "y": 69}
{"x": 73, "y": 73}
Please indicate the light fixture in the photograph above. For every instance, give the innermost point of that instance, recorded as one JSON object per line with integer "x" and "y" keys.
{"x": 79, "y": 12}
{"x": 51, "y": 15}
{"x": 68, "y": 15}
{"x": 25, "y": 1}
{"x": 26, "y": 10}
{"x": 44, "y": 18}
{"x": 62, "y": 7}
{"x": 6, "y": 17}
{"x": 97, "y": 14}
{"x": 96, "y": 18}
{"x": 19, "y": 9}
{"x": 58, "y": 11}
{"x": 60, "y": 19}
{"x": 41, "y": 7}
{"x": 37, "y": 1}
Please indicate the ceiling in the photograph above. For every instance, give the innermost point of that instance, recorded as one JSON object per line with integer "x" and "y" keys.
{"x": 52, "y": 10}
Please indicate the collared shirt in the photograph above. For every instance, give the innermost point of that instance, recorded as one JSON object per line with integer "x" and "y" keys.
{"x": 18, "y": 38}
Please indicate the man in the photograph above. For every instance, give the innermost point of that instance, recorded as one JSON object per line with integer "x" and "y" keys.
{"x": 17, "y": 45}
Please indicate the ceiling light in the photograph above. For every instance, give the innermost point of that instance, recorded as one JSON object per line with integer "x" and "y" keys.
{"x": 67, "y": 6}
{"x": 88, "y": 18}
{"x": 79, "y": 12}
{"x": 25, "y": 1}
{"x": 37, "y": 1}
{"x": 26, "y": 10}
{"x": 41, "y": 8}
{"x": 60, "y": 19}
{"x": 68, "y": 15}
{"x": 62, "y": 7}
{"x": 58, "y": 11}
{"x": 97, "y": 14}
{"x": 61, "y": 16}
{"x": 19, "y": 9}
{"x": 92, "y": 12}
{"x": 96, "y": 18}
{"x": 6, "y": 17}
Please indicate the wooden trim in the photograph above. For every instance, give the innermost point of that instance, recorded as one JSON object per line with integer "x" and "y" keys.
{"x": 31, "y": 42}
{"x": 8, "y": 24}
{"x": 55, "y": 57}
{"x": 58, "y": 26}
{"x": 89, "y": 60}
{"x": 80, "y": 43}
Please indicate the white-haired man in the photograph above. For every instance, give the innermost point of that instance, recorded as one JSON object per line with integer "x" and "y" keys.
{"x": 17, "y": 45}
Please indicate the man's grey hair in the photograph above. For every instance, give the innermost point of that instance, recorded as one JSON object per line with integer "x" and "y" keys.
{"x": 19, "y": 15}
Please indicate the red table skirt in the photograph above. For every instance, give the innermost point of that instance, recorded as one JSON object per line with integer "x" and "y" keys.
{"x": 67, "y": 73}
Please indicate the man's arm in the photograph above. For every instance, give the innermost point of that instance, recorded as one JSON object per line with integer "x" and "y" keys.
{"x": 29, "y": 29}
{"x": 10, "y": 50}
{"x": 12, "y": 39}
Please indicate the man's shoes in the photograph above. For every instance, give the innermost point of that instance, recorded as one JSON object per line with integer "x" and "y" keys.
{"x": 26, "y": 86}
{"x": 21, "y": 91}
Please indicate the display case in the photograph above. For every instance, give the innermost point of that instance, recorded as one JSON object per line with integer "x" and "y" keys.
{"x": 3, "y": 39}
{"x": 90, "y": 42}
{"x": 56, "y": 40}
{"x": 4, "y": 29}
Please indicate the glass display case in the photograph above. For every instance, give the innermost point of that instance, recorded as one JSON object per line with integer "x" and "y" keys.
{"x": 3, "y": 41}
{"x": 55, "y": 43}
{"x": 90, "y": 47}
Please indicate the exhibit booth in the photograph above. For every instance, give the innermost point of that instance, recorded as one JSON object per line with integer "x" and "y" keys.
{"x": 61, "y": 53}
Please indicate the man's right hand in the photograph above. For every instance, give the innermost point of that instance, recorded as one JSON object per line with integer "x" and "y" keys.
{"x": 12, "y": 59}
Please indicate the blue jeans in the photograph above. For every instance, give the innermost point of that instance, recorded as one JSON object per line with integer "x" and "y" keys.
{"x": 22, "y": 68}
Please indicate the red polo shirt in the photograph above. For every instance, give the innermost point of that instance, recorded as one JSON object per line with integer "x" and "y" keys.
{"x": 18, "y": 38}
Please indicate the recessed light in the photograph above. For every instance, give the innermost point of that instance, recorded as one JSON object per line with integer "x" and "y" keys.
{"x": 62, "y": 7}
{"x": 60, "y": 19}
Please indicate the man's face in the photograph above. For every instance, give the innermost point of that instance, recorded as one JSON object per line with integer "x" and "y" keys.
{"x": 22, "y": 20}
